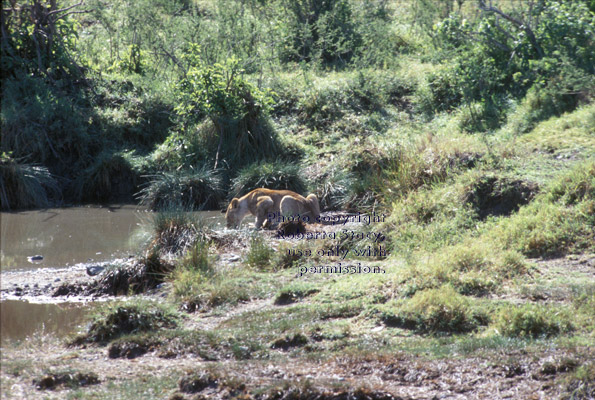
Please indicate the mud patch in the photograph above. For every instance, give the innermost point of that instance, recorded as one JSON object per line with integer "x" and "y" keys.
{"x": 297, "y": 393}
{"x": 494, "y": 196}
{"x": 195, "y": 383}
{"x": 146, "y": 274}
{"x": 288, "y": 342}
{"x": 54, "y": 380}
{"x": 127, "y": 350}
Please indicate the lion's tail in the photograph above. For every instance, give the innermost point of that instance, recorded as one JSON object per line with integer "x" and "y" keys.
{"x": 313, "y": 201}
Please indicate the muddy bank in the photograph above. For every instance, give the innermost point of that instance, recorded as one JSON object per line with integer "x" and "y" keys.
{"x": 40, "y": 285}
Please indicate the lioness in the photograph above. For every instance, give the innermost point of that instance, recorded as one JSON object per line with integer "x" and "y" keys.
{"x": 262, "y": 201}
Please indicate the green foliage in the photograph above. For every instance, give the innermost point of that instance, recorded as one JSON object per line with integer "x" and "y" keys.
{"x": 277, "y": 175}
{"x": 440, "y": 310}
{"x": 218, "y": 91}
{"x": 36, "y": 40}
{"x": 530, "y": 320}
{"x": 38, "y": 122}
{"x": 189, "y": 189}
{"x": 322, "y": 31}
{"x": 234, "y": 106}
{"x": 506, "y": 59}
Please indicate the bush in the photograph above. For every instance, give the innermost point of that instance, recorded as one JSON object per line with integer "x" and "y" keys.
{"x": 277, "y": 175}
{"x": 320, "y": 32}
{"x": 187, "y": 189}
{"x": 25, "y": 185}
{"x": 511, "y": 58}
{"x": 46, "y": 124}
{"x": 236, "y": 108}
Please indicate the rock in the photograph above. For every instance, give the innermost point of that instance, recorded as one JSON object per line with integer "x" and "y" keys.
{"x": 94, "y": 270}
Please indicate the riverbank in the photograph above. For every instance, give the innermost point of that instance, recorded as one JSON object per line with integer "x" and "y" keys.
{"x": 38, "y": 367}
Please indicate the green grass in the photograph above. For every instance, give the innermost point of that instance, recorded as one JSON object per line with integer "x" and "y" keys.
{"x": 277, "y": 175}
{"x": 437, "y": 311}
{"x": 531, "y": 321}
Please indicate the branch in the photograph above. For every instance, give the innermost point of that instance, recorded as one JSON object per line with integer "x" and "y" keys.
{"x": 72, "y": 12}
{"x": 520, "y": 24}
{"x": 65, "y": 8}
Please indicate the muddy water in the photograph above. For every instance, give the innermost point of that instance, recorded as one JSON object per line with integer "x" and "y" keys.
{"x": 69, "y": 236}
{"x": 65, "y": 237}
{"x": 21, "y": 319}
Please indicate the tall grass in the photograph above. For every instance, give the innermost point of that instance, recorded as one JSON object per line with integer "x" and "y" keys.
{"x": 25, "y": 185}
{"x": 176, "y": 229}
{"x": 277, "y": 175}
{"x": 109, "y": 178}
{"x": 188, "y": 189}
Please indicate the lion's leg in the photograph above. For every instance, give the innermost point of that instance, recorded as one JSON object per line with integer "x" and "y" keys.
{"x": 314, "y": 205}
{"x": 263, "y": 207}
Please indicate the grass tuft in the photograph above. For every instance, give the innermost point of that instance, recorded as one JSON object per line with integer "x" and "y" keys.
{"x": 189, "y": 189}
{"x": 25, "y": 185}
{"x": 276, "y": 175}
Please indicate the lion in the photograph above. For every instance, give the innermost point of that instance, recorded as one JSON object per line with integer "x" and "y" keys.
{"x": 260, "y": 202}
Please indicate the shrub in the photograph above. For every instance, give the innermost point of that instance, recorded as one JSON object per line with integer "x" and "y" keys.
{"x": 236, "y": 108}
{"x": 275, "y": 175}
{"x": 320, "y": 31}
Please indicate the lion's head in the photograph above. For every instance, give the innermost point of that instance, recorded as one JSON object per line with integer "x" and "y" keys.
{"x": 233, "y": 216}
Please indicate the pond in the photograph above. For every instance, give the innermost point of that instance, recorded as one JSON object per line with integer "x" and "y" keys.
{"x": 21, "y": 319}
{"x": 65, "y": 237}
{"x": 68, "y": 236}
